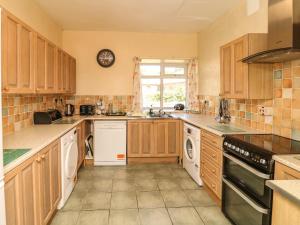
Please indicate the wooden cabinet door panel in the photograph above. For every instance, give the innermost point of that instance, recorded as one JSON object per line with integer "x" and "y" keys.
{"x": 55, "y": 174}
{"x": 41, "y": 64}
{"x": 226, "y": 70}
{"x": 133, "y": 138}
{"x": 72, "y": 63}
{"x": 50, "y": 68}
{"x": 45, "y": 186}
{"x": 29, "y": 190}
{"x": 240, "y": 69}
{"x": 59, "y": 71}
{"x": 10, "y": 52}
{"x": 13, "y": 201}
{"x": 173, "y": 138}
{"x": 147, "y": 140}
{"x": 66, "y": 73}
{"x": 160, "y": 134}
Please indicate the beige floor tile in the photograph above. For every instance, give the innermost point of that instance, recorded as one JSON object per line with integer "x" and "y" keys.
{"x": 103, "y": 185}
{"x": 162, "y": 173}
{"x": 150, "y": 199}
{"x": 93, "y": 217}
{"x": 124, "y": 217}
{"x": 145, "y": 184}
{"x": 144, "y": 173}
{"x": 168, "y": 184}
{"x": 175, "y": 198}
{"x": 212, "y": 215}
{"x": 180, "y": 173}
{"x": 124, "y": 200}
{"x": 188, "y": 183}
{"x": 199, "y": 198}
{"x": 103, "y": 173}
{"x": 96, "y": 200}
{"x": 124, "y": 174}
{"x": 154, "y": 217}
{"x": 123, "y": 185}
{"x": 65, "y": 218}
{"x": 185, "y": 216}
{"x": 74, "y": 203}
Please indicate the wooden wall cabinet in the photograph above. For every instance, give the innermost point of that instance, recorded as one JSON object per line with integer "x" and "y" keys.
{"x": 33, "y": 189}
{"x": 211, "y": 162}
{"x": 241, "y": 80}
{"x": 17, "y": 55}
{"x": 285, "y": 211}
{"x": 153, "y": 138}
{"x": 31, "y": 63}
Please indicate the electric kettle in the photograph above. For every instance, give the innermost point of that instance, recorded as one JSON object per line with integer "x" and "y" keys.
{"x": 69, "y": 110}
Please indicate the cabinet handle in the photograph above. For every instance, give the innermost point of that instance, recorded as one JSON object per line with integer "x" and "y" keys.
{"x": 214, "y": 171}
{"x": 213, "y": 186}
{"x": 214, "y": 155}
{"x": 38, "y": 159}
{"x": 5, "y": 89}
{"x": 43, "y": 156}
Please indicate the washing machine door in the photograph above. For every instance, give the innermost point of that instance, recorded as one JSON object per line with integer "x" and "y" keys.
{"x": 189, "y": 149}
{"x": 71, "y": 160}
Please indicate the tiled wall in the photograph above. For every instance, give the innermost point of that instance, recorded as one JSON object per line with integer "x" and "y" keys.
{"x": 120, "y": 103}
{"x": 17, "y": 110}
{"x": 284, "y": 108}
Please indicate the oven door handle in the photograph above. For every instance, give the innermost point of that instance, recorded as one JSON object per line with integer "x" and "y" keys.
{"x": 246, "y": 198}
{"x": 245, "y": 166}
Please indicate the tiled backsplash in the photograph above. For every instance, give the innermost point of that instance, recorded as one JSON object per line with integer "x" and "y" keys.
{"x": 17, "y": 110}
{"x": 120, "y": 103}
{"x": 284, "y": 107}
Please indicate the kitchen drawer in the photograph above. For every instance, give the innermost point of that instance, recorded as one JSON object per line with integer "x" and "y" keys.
{"x": 215, "y": 155}
{"x": 211, "y": 166}
{"x": 213, "y": 184}
{"x": 212, "y": 139}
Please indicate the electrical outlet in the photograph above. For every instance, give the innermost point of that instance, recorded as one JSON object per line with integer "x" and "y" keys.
{"x": 261, "y": 110}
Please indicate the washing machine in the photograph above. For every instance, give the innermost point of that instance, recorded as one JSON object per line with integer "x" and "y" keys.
{"x": 69, "y": 158}
{"x": 191, "y": 155}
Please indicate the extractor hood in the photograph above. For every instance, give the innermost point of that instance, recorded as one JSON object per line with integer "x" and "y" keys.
{"x": 284, "y": 33}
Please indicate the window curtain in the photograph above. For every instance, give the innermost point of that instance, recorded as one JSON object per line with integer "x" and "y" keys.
{"x": 137, "y": 104}
{"x": 192, "y": 82}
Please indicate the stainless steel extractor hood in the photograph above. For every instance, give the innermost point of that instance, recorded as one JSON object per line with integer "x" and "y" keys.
{"x": 284, "y": 33}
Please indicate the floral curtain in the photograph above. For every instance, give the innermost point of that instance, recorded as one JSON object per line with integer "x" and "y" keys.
{"x": 137, "y": 87}
{"x": 192, "y": 79}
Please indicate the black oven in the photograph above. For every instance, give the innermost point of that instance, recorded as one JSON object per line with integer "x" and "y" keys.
{"x": 246, "y": 200}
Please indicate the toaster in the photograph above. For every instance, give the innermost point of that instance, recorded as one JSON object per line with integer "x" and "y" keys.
{"x": 46, "y": 117}
{"x": 87, "y": 110}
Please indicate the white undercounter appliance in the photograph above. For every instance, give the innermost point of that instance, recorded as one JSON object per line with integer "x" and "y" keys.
{"x": 110, "y": 143}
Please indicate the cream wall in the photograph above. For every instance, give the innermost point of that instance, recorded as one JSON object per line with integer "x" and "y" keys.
{"x": 29, "y": 12}
{"x": 117, "y": 80}
{"x": 232, "y": 25}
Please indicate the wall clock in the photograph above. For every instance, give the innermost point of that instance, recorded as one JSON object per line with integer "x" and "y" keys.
{"x": 106, "y": 58}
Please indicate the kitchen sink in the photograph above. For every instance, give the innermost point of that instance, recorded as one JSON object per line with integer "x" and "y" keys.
{"x": 226, "y": 128}
{"x": 166, "y": 116}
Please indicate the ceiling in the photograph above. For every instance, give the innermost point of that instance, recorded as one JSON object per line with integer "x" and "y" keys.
{"x": 136, "y": 15}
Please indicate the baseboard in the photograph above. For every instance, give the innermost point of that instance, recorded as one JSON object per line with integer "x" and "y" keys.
{"x": 153, "y": 160}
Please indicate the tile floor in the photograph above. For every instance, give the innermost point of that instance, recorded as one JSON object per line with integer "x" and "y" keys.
{"x": 138, "y": 195}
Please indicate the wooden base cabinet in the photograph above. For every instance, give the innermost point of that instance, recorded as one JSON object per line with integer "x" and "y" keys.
{"x": 81, "y": 135}
{"x": 33, "y": 189}
{"x": 211, "y": 162}
{"x": 285, "y": 211}
{"x": 241, "y": 80}
{"x": 153, "y": 138}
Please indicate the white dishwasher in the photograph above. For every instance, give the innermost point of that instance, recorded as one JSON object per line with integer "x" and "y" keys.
{"x": 110, "y": 143}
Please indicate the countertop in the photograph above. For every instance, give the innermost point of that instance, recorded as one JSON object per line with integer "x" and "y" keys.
{"x": 288, "y": 188}
{"x": 292, "y": 161}
{"x": 38, "y": 137}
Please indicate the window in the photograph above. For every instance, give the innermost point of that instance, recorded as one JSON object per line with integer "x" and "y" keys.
{"x": 164, "y": 83}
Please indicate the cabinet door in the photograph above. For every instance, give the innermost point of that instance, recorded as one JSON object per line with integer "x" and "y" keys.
{"x": 283, "y": 172}
{"x": 66, "y": 73}
{"x": 41, "y": 65}
{"x": 133, "y": 138}
{"x": 50, "y": 68}
{"x": 59, "y": 71}
{"x": 18, "y": 56}
{"x": 72, "y": 63}
{"x": 226, "y": 70}
{"x": 45, "y": 186}
{"x": 80, "y": 144}
{"x": 146, "y": 138}
{"x": 55, "y": 163}
{"x": 13, "y": 203}
{"x": 239, "y": 80}
{"x": 173, "y": 136}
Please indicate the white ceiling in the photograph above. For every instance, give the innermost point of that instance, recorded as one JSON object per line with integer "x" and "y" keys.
{"x": 136, "y": 15}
